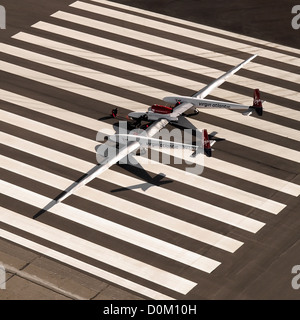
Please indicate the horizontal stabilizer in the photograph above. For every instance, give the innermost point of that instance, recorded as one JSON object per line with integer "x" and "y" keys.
{"x": 247, "y": 113}
{"x": 212, "y": 142}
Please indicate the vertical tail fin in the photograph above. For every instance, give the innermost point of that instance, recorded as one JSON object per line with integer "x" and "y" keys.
{"x": 206, "y": 143}
{"x": 114, "y": 112}
{"x": 257, "y": 103}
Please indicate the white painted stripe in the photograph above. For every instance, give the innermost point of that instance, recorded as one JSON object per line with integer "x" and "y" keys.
{"x": 215, "y": 164}
{"x": 132, "y": 236}
{"x": 69, "y": 86}
{"x": 135, "y": 210}
{"x": 133, "y": 34}
{"x": 83, "y": 71}
{"x": 153, "y": 56}
{"x": 171, "y": 43}
{"x": 250, "y": 142}
{"x": 165, "y": 221}
{"x": 158, "y": 75}
{"x": 255, "y": 122}
{"x": 126, "y": 207}
{"x": 107, "y": 60}
{"x": 45, "y": 153}
{"x": 80, "y": 265}
{"x": 244, "y": 173}
{"x": 176, "y": 199}
{"x": 173, "y": 173}
{"x": 238, "y": 138}
{"x": 254, "y": 176}
{"x": 34, "y": 173}
{"x": 88, "y": 248}
{"x": 185, "y": 202}
{"x": 120, "y": 47}
{"x": 48, "y": 131}
{"x": 215, "y": 187}
{"x": 208, "y": 38}
{"x": 196, "y": 25}
{"x": 282, "y": 111}
{"x": 50, "y": 110}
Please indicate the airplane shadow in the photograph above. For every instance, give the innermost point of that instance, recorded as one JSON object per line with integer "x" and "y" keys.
{"x": 118, "y": 118}
{"x": 140, "y": 172}
{"x": 212, "y": 136}
{"x": 137, "y": 170}
{"x": 105, "y": 118}
{"x": 55, "y": 200}
{"x": 46, "y": 208}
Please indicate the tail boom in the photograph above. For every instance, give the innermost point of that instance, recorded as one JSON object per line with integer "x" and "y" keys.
{"x": 212, "y": 104}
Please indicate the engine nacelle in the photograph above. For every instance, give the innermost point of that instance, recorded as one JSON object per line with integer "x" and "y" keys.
{"x": 161, "y": 109}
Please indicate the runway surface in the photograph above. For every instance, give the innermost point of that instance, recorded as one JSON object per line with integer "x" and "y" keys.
{"x": 230, "y": 233}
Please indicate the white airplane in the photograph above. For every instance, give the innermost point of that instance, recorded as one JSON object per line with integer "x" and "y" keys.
{"x": 159, "y": 116}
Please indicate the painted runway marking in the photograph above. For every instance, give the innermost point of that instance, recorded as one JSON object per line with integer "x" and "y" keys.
{"x": 124, "y": 206}
{"x": 157, "y": 75}
{"x": 80, "y": 265}
{"x": 164, "y": 60}
{"x": 181, "y": 201}
{"x": 150, "y": 66}
{"x": 102, "y": 225}
{"x": 183, "y": 31}
{"x": 88, "y": 248}
{"x": 205, "y": 184}
{"x": 112, "y": 99}
{"x": 213, "y": 163}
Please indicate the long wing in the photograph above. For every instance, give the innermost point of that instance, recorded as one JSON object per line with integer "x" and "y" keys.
{"x": 156, "y": 127}
{"x": 180, "y": 109}
{"x": 108, "y": 162}
{"x": 98, "y": 169}
{"x": 209, "y": 88}
{"x": 151, "y": 131}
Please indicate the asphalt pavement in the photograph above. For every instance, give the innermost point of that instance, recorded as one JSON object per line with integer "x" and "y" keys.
{"x": 229, "y": 233}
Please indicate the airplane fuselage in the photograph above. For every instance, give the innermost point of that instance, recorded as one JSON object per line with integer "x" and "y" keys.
{"x": 156, "y": 112}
